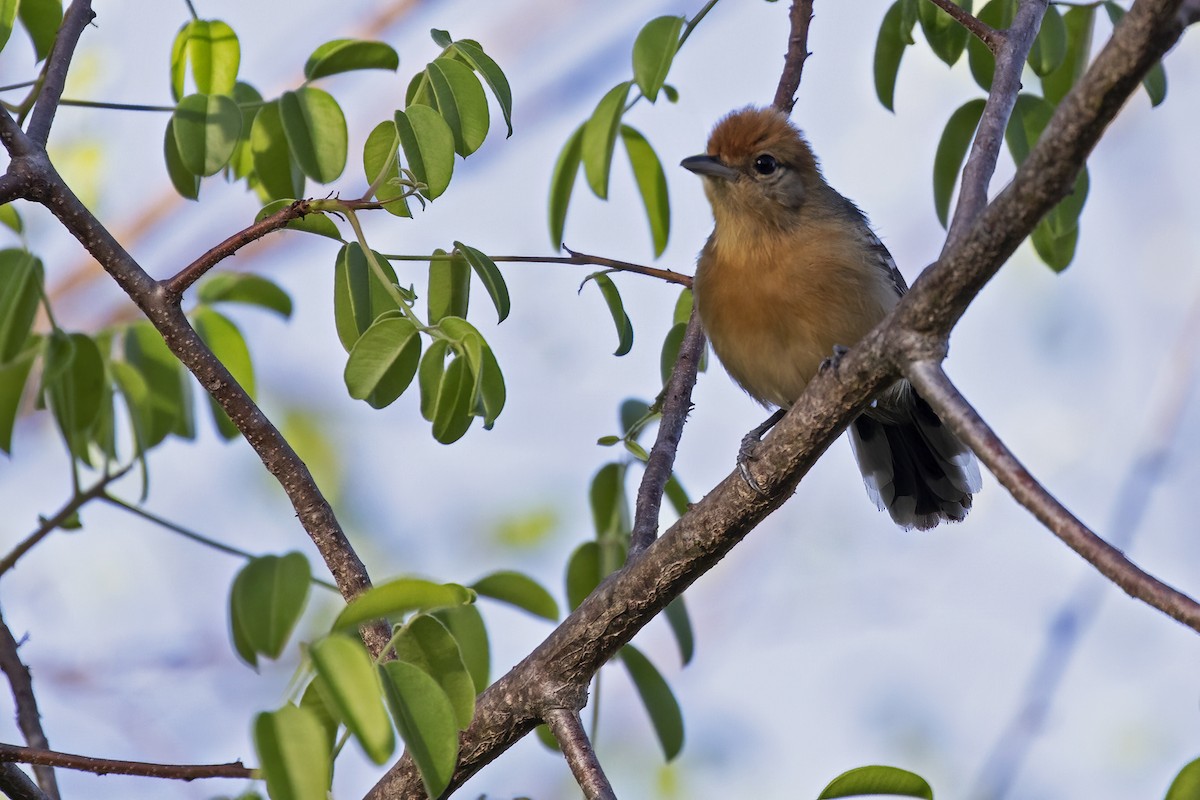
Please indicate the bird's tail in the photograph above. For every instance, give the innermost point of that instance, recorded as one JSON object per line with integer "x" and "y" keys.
{"x": 913, "y": 465}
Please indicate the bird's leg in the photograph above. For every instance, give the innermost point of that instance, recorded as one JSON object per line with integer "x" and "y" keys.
{"x": 834, "y": 360}
{"x": 751, "y": 441}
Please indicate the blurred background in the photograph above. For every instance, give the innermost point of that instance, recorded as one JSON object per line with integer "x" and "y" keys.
{"x": 828, "y": 639}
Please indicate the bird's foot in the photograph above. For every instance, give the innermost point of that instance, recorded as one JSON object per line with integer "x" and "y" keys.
{"x": 835, "y": 360}
{"x": 746, "y": 457}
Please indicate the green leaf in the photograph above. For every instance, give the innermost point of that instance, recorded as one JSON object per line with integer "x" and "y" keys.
{"x": 292, "y": 754}
{"x": 653, "y": 51}
{"x": 277, "y": 172}
{"x": 683, "y": 306}
{"x": 170, "y": 387}
{"x": 466, "y": 626}
{"x": 314, "y": 222}
{"x": 13, "y": 375}
{"x": 241, "y": 163}
{"x": 566, "y": 169}
{"x": 425, "y": 718}
{"x": 1029, "y": 117}
{"x": 266, "y": 601}
{"x": 21, "y": 277}
{"x": 426, "y": 643}
{"x": 179, "y": 54}
{"x": 681, "y": 626}
{"x": 316, "y": 132}
{"x": 359, "y": 298}
{"x": 428, "y": 145}
{"x": 520, "y": 590}
{"x": 670, "y": 350}
{"x": 349, "y": 685}
{"x": 677, "y": 496}
{"x": 600, "y": 137}
{"x": 10, "y": 219}
{"x": 652, "y": 185}
{"x": 951, "y": 151}
{"x": 74, "y": 385}
{"x": 998, "y": 14}
{"x": 583, "y": 573}
{"x": 136, "y": 392}
{"x": 894, "y": 35}
{"x": 490, "y": 275}
{"x": 1050, "y": 47}
{"x": 461, "y": 102}
{"x": 207, "y": 128}
{"x": 183, "y": 179}
{"x": 346, "y": 55}
{"x": 617, "y": 309}
{"x": 471, "y": 52}
{"x": 658, "y": 699}
{"x": 1079, "y": 22}
{"x": 1186, "y": 785}
{"x": 41, "y": 19}
{"x": 606, "y": 496}
{"x": 449, "y": 286}
{"x": 946, "y": 37}
{"x": 214, "y": 52}
{"x": 381, "y": 158}
{"x": 452, "y": 410}
{"x": 440, "y": 37}
{"x": 1056, "y": 250}
{"x": 429, "y": 375}
{"x": 383, "y": 361}
{"x": 489, "y": 386}
{"x": 876, "y": 780}
{"x": 244, "y": 287}
{"x": 229, "y": 346}
{"x": 1155, "y": 82}
{"x": 399, "y": 597}
{"x": 313, "y": 702}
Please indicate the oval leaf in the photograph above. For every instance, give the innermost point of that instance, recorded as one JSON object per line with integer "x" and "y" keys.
{"x": 653, "y": 51}
{"x": 213, "y": 49}
{"x": 266, "y": 601}
{"x": 381, "y": 165}
{"x": 658, "y": 699}
{"x": 428, "y": 145}
{"x": 346, "y": 55}
{"x": 1186, "y": 785}
{"x": 452, "y": 409}
{"x": 583, "y": 573}
{"x": 681, "y": 626}
{"x": 170, "y": 388}
{"x": 998, "y": 14}
{"x": 562, "y": 183}
{"x": 652, "y": 185}
{"x": 21, "y": 277}
{"x": 229, "y": 346}
{"x": 946, "y": 37}
{"x": 13, "y": 375}
{"x": 292, "y": 752}
{"x": 1079, "y": 22}
{"x": 310, "y": 223}
{"x": 490, "y": 275}
{"x": 481, "y": 62}
{"x": 449, "y": 286}
{"x": 276, "y": 171}
{"x": 206, "y": 128}
{"x": 461, "y": 102}
{"x": 466, "y": 626}
{"x": 1050, "y": 47}
{"x": 183, "y": 179}
{"x": 875, "y": 780}
{"x": 889, "y": 50}
{"x": 399, "y": 597}
{"x": 359, "y": 297}
{"x": 426, "y": 643}
{"x": 349, "y": 686}
{"x": 41, "y": 19}
{"x": 519, "y": 590}
{"x": 425, "y": 718}
{"x": 600, "y": 137}
{"x": 951, "y": 151}
{"x": 1029, "y": 117}
{"x": 74, "y": 382}
{"x": 383, "y": 361}
{"x": 316, "y": 132}
{"x": 243, "y": 287}
{"x": 617, "y": 308}
{"x": 429, "y": 375}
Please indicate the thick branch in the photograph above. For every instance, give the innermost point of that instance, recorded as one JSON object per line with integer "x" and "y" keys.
{"x": 933, "y": 385}
{"x": 16, "y": 785}
{"x": 108, "y": 766}
{"x": 76, "y": 18}
{"x": 985, "y": 33}
{"x": 29, "y": 719}
{"x": 577, "y": 750}
{"x": 1015, "y": 45}
{"x": 799, "y": 17}
{"x": 676, "y": 403}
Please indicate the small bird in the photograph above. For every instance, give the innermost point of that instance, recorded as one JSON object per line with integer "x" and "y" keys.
{"x": 792, "y": 275}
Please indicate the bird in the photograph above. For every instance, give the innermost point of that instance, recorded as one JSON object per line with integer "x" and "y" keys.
{"x": 791, "y": 276}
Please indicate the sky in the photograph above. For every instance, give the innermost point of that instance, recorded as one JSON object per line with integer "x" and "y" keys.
{"x": 828, "y": 639}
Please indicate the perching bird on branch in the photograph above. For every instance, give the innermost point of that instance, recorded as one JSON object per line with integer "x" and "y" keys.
{"x": 791, "y": 275}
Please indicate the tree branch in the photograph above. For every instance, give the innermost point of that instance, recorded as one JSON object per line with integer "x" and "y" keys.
{"x": 16, "y": 785}
{"x": 799, "y": 17}
{"x": 577, "y": 750}
{"x": 108, "y": 766}
{"x": 618, "y": 266}
{"x": 29, "y": 719}
{"x": 932, "y": 384}
{"x": 1015, "y": 45}
{"x": 985, "y": 33}
{"x": 677, "y": 402}
{"x": 77, "y": 17}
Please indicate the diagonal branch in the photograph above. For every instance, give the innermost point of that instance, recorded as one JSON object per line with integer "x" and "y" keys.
{"x": 799, "y": 17}
{"x": 932, "y": 384}
{"x": 29, "y": 719}
{"x": 985, "y": 33}
{"x": 16, "y": 785}
{"x": 77, "y": 17}
{"x": 577, "y": 750}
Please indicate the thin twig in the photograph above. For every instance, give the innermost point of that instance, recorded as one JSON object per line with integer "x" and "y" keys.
{"x": 985, "y": 150}
{"x": 985, "y": 33}
{"x": 577, "y": 750}
{"x": 1076, "y": 614}
{"x": 937, "y": 390}
{"x": 108, "y": 766}
{"x": 16, "y": 785}
{"x": 677, "y": 402}
{"x": 577, "y": 259}
{"x": 52, "y": 524}
{"x": 29, "y": 719}
{"x": 76, "y": 18}
{"x": 799, "y": 18}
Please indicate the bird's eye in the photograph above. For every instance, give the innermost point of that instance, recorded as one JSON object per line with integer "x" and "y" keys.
{"x": 765, "y": 164}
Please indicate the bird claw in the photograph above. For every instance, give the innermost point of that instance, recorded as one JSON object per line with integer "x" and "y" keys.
{"x": 834, "y": 361}
{"x": 745, "y": 457}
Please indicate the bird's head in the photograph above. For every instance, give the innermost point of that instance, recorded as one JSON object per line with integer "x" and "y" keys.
{"x": 757, "y": 163}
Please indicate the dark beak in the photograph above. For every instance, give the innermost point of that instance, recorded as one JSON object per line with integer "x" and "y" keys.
{"x": 709, "y": 167}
